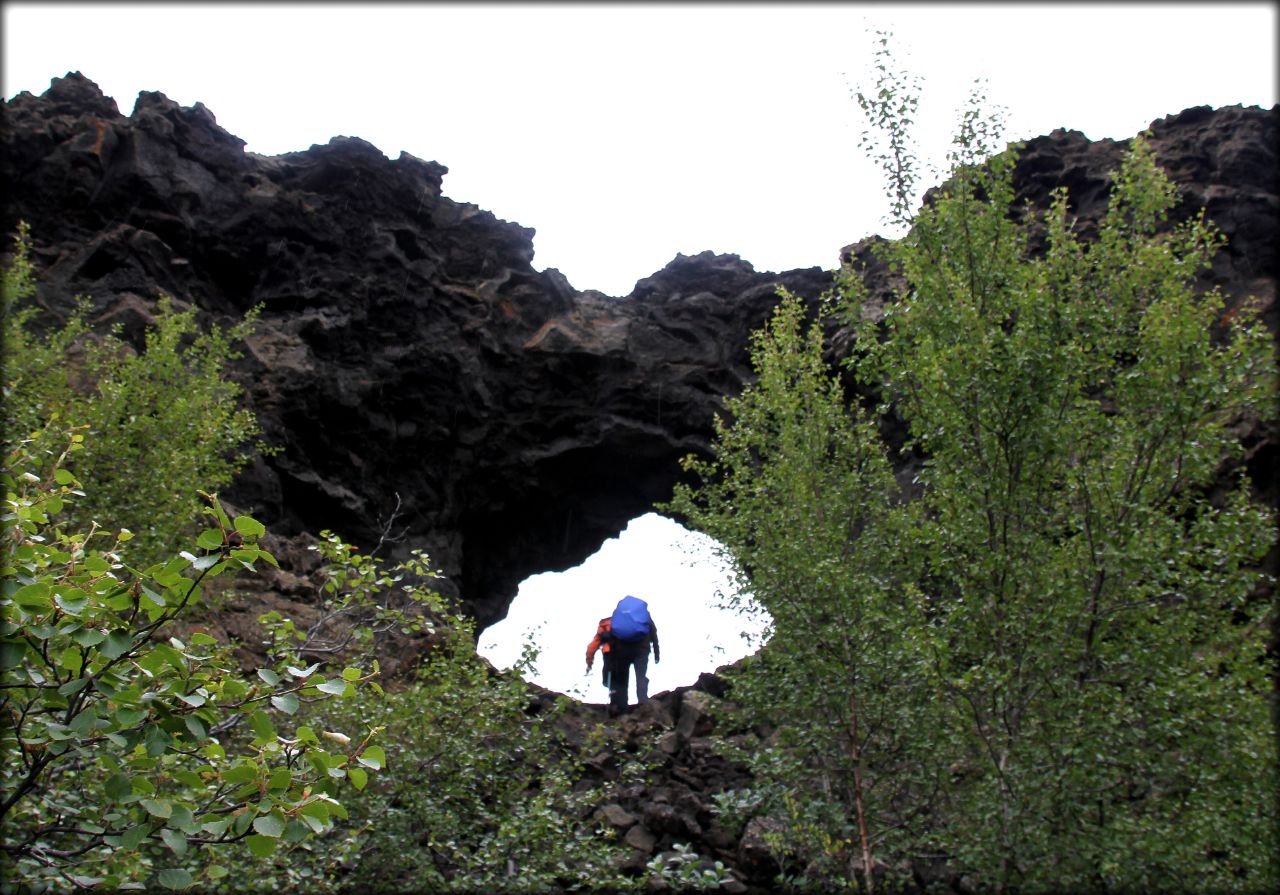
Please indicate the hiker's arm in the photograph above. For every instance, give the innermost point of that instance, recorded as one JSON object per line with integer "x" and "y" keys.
{"x": 653, "y": 633}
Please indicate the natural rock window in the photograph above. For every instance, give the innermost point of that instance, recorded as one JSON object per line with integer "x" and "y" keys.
{"x": 674, "y": 569}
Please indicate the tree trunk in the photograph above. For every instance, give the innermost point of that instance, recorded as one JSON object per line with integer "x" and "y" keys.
{"x": 855, "y": 754}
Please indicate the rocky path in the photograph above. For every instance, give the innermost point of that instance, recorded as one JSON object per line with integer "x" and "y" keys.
{"x": 665, "y": 764}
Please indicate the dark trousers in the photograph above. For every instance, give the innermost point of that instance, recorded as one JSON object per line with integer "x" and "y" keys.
{"x": 623, "y": 657}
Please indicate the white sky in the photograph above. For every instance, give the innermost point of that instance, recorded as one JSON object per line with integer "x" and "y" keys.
{"x": 627, "y": 133}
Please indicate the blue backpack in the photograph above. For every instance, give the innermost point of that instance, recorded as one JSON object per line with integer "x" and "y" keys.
{"x": 631, "y": 619}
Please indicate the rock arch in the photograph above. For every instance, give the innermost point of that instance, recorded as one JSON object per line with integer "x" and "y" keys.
{"x": 411, "y": 359}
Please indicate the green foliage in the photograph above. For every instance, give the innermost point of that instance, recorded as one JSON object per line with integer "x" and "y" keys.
{"x": 734, "y": 807}
{"x": 1091, "y": 632}
{"x": 802, "y": 494}
{"x": 891, "y": 110}
{"x": 133, "y": 756}
{"x": 169, "y": 411}
{"x": 478, "y": 794}
{"x": 362, "y": 603}
{"x": 686, "y": 871}
{"x": 798, "y": 816}
{"x": 1058, "y": 674}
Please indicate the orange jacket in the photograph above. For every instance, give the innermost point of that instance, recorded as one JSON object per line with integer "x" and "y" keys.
{"x": 600, "y": 641}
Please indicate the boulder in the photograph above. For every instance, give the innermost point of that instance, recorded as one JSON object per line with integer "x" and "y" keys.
{"x": 758, "y": 850}
{"x": 641, "y": 839}
{"x": 617, "y": 816}
{"x": 695, "y": 715}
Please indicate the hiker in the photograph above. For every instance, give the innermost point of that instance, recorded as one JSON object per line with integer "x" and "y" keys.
{"x": 626, "y": 636}
{"x": 601, "y": 642}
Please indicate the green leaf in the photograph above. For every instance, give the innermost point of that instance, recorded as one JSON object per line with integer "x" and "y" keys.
{"x": 263, "y": 729}
{"x": 11, "y": 653}
{"x": 71, "y": 603}
{"x": 287, "y": 703}
{"x": 128, "y": 717}
{"x": 358, "y": 776}
{"x": 33, "y": 597}
{"x": 242, "y": 772}
{"x": 158, "y": 807}
{"x": 250, "y": 527}
{"x": 74, "y": 686}
{"x": 117, "y": 643}
{"x": 156, "y": 740}
{"x": 119, "y": 600}
{"x": 280, "y": 778}
{"x": 269, "y": 825}
{"x": 261, "y": 846}
{"x": 183, "y": 819}
{"x": 175, "y": 878}
{"x": 83, "y": 723}
{"x": 96, "y": 565}
{"x": 176, "y": 841}
{"x": 210, "y": 539}
{"x": 350, "y": 673}
{"x": 268, "y": 676}
{"x": 216, "y": 827}
{"x": 70, "y": 659}
{"x": 317, "y": 808}
{"x": 373, "y": 757}
{"x": 134, "y": 836}
{"x": 196, "y": 727}
{"x": 88, "y": 637}
{"x": 336, "y": 686}
{"x": 117, "y": 787}
{"x": 189, "y": 778}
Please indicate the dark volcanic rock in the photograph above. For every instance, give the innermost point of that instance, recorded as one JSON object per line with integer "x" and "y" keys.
{"x": 410, "y": 359}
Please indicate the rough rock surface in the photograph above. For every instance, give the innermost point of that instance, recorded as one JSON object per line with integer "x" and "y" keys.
{"x": 410, "y": 357}
{"x": 663, "y": 765}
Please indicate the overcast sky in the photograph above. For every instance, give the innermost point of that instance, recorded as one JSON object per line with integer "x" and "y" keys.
{"x": 627, "y": 133}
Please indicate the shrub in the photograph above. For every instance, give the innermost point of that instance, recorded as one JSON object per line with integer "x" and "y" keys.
{"x": 169, "y": 410}
{"x": 134, "y": 757}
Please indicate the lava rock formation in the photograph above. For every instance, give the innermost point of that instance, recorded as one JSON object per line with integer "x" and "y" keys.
{"x": 409, "y": 359}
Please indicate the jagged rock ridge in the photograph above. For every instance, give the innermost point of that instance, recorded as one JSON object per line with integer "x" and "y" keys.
{"x": 410, "y": 356}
